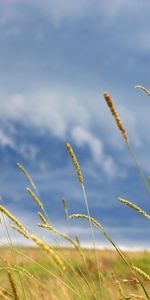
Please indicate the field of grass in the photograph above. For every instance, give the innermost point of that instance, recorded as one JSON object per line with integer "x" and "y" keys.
{"x": 41, "y": 284}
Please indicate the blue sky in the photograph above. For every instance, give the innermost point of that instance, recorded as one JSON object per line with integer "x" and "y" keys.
{"x": 56, "y": 60}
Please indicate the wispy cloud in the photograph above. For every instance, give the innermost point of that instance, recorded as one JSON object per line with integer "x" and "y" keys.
{"x": 6, "y": 140}
{"x": 84, "y": 137}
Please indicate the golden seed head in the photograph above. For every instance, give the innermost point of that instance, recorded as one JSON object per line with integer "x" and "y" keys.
{"x": 70, "y": 240}
{"x": 36, "y": 199}
{"x": 22, "y": 232}
{"x": 65, "y": 236}
{"x": 115, "y": 114}
{"x": 75, "y": 162}
{"x": 42, "y": 218}
{"x": 48, "y": 226}
{"x": 11, "y": 217}
{"x": 94, "y": 221}
{"x": 135, "y": 207}
{"x": 50, "y": 251}
{"x": 141, "y": 272}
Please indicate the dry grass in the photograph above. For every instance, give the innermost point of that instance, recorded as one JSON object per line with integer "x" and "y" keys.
{"x": 48, "y": 287}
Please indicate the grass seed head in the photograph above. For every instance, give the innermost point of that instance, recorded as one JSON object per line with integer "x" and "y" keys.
{"x": 75, "y": 162}
{"x": 42, "y": 218}
{"x": 36, "y": 199}
{"x": 116, "y": 115}
{"x": 22, "y": 232}
{"x": 25, "y": 172}
{"x": 50, "y": 251}
{"x": 12, "y": 218}
{"x": 135, "y": 207}
{"x": 141, "y": 272}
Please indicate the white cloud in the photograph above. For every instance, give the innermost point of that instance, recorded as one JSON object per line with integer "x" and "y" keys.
{"x": 49, "y": 111}
{"x": 6, "y": 140}
{"x": 84, "y": 137}
{"x": 66, "y": 113}
{"x": 58, "y": 113}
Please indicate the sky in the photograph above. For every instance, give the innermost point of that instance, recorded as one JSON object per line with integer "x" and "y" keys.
{"x": 56, "y": 60}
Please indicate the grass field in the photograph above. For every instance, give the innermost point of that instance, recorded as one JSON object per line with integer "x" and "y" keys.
{"x": 41, "y": 284}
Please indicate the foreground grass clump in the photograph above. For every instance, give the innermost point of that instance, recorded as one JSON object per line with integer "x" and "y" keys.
{"x": 72, "y": 273}
{"x": 36, "y": 272}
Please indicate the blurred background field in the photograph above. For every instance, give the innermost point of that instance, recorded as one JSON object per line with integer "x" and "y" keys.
{"x": 43, "y": 285}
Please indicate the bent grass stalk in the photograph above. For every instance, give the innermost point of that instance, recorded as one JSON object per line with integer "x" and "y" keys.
{"x": 99, "y": 226}
{"x": 48, "y": 226}
{"x": 39, "y": 202}
{"x": 75, "y": 292}
{"x": 65, "y": 236}
{"x": 76, "y": 245}
{"x": 57, "y": 259}
{"x": 122, "y": 255}
{"x": 135, "y": 207}
{"x": 50, "y": 251}
{"x": 25, "y": 272}
{"x": 140, "y": 87}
